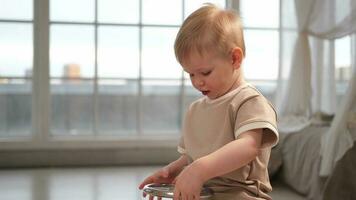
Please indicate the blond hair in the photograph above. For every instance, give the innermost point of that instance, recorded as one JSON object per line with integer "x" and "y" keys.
{"x": 209, "y": 28}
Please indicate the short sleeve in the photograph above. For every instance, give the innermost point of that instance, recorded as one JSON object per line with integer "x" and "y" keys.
{"x": 257, "y": 113}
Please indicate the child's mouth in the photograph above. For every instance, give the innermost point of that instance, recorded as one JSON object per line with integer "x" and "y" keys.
{"x": 205, "y": 92}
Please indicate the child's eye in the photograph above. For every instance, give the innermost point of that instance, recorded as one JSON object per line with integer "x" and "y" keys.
{"x": 191, "y": 75}
{"x": 206, "y": 73}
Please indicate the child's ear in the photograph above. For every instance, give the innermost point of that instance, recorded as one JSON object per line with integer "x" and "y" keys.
{"x": 236, "y": 57}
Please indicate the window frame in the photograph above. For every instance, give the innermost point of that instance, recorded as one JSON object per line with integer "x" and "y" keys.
{"x": 41, "y": 96}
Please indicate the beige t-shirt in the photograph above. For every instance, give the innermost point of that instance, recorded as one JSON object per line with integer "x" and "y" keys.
{"x": 210, "y": 124}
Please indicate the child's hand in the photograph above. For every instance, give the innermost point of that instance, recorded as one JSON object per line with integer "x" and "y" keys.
{"x": 163, "y": 175}
{"x": 188, "y": 184}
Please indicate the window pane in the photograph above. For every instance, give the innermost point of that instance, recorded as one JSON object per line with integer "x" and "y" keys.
{"x": 72, "y": 107}
{"x": 118, "y": 53}
{"x": 75, "y": 11}
{"x": 162, "y": 12}
{"x": 72, "y": 51}
{"x": 262, "y": 49}
{"x": 118, "y": 11}
{"x": 117, "y": 107}
{"x": 267, "y": 88}
{"x": 161, "y": 106}
{"x": 16, "y": 60}
{"x": 343, "y": 59}
{"x": 16, "y": 9}
{"x": 15, "y": 107}
{"x": 16, "y": 49}
{"x": 158, "y": 59}
{"x": 192, "y": 5}
{"x": 256, "y": 13}
{"x": 343, "y": 70}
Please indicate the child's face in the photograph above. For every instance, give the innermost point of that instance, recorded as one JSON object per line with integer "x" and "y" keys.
{"x": 212, "y": 75}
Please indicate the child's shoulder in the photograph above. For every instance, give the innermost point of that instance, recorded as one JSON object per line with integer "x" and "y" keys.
{"x": 252, "y": 95}
{"x": 245, "y": 94}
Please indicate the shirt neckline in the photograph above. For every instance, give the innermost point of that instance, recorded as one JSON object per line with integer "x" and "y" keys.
{"x": 227, "y": 95}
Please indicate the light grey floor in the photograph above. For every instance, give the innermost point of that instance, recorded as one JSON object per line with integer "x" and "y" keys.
{"x": 104, "y": 183}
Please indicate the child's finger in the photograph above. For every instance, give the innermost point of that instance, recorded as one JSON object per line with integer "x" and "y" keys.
{"x": 196, "y": 196}
{"x": 145, "y": 182}
{"x": 165, "y": 172}
{"x": 176, "y": 194}
{"x": 184, "y": 197}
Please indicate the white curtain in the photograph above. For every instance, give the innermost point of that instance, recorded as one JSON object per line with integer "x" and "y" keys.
{"x": 295, "y": 105}
{"x": 306, "y": 82}
{"x": 323, "y": 73}
{"x": 339, "y": 139}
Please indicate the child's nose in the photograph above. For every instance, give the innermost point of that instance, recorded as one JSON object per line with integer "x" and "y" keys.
{"x": 199, "y": 82}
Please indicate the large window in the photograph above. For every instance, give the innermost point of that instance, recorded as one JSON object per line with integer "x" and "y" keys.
{"x": 111, "y": 69}
{"x": 16, "y": 60}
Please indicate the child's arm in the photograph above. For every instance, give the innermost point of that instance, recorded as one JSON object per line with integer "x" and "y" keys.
{"x": 230, "y": 157}
{"x": 167, "y": 173}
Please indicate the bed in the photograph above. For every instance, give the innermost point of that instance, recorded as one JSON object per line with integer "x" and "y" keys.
{"x": 299, "y": 154}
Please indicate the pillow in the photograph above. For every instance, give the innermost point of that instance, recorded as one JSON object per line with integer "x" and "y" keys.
{"x": 301, "y": 160}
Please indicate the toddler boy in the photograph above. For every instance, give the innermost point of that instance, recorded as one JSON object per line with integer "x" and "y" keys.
{"x": 227, "y": 134}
